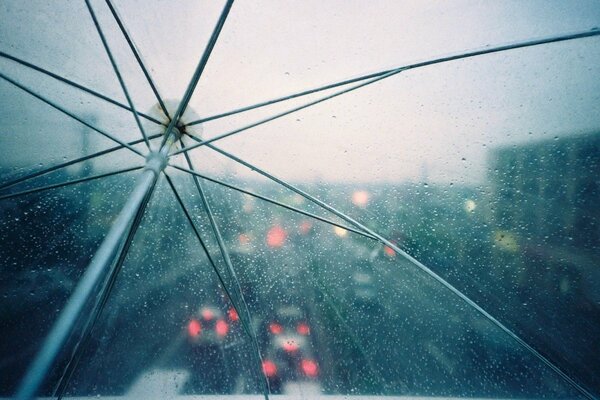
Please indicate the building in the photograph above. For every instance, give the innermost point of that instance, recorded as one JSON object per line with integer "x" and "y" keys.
{"x": 544, "y": 201}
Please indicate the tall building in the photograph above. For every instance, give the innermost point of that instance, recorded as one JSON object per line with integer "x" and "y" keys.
{"x": 546, "y": 203}
{"x": 546, "y": 217}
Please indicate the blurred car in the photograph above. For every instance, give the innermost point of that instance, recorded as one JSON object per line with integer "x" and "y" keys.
{"x": 207, "y": 333}
{"x": 289, "y": 351}
{"x": 207, "y": 328}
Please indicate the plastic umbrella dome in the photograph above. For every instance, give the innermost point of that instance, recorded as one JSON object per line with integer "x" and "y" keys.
{"x": 305, "y": 199}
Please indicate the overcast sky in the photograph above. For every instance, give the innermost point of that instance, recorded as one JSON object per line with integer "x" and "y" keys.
{"x": 437, "y": 123}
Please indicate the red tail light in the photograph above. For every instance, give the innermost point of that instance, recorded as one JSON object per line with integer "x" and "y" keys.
{"x": 221, "y": 328}
{"x": 305, "y": 227}
{"x": 303, "y": 329}
{"x": 290, "y": 346}
{"x": 194, "y": 328}
{"x": 207, "y": 314}
{"x": 310, "y": 368}
{"x": 269, "y": 368}
{"x": 275, "y": 328}
{"x": 389, "y": 251}
{"x": 233, "y": 315}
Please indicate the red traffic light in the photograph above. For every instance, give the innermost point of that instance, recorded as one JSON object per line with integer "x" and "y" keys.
{"x": 276, "y": 236}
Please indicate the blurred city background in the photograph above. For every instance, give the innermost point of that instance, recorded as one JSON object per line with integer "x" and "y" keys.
{"x": 332, "y": 310}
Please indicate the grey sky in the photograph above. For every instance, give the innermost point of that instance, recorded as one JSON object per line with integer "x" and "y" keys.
{"x": 441, "y": 119}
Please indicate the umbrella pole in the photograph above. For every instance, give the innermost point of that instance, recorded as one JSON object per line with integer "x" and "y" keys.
{"x": 92, "y": 285}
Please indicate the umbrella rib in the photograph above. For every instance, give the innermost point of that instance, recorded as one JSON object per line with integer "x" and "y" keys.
{"x": 288, "y": 97}
{"x": 71, "y": 162}
{"x": 269, "y": 176}
{"x": 137, "y": 56}
{"x": 199, "y": 68}
{"x": 272, "y": 201}
{"x": 117, "y": 72}
{"x": 75, "y": 85}
{"x": 388, "y": 73}
{"x": 466, "y": 299}
{"x": 232, "y": 276}
{"x": 203, "y": 245}
{"x": 458, "y": 56}
{"x": 76, "y": 118}
{"x": 284, "y": 206}
{"x": 258, "y": 170}
{"x": 419, "y": 265}
{"x": 290, "y": 111}
{"x": 68, "y": 183}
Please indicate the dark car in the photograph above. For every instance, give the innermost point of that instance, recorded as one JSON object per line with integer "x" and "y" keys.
{"x": 208, "y": 332}
{"x": 289, "y": 354}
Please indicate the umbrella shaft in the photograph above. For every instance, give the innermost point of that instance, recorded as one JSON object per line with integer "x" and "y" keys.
{"x": 92, "y": 284}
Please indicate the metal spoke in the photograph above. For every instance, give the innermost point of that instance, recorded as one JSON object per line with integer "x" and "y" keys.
{"x": 200, "y": 68}
{"x": 273, "y": 178}
{"x": 68, "y": 183}
{"x": 288, "y": 97}
{"x": 188, "y": 216}
{"x": 272, "y": 201}
{"x": 250, "y": 166}
{"x": 465, "y": 298}
{"x": 137, "y": 56}
{"x": 71, "y": 162}
{"x": 535, "y": 42}
{"x": 76, "y": 85}
{"x": 64, "y": 111}
{"x": 117, "y": 72}
{"x": 290, "y": 111}
{"x": 236, "y": 286}
{"x": 419, "y": 265}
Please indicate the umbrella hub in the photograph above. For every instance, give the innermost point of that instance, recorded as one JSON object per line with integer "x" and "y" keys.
{"x": 157, "y": 111}
{"x": 156, "y": 161}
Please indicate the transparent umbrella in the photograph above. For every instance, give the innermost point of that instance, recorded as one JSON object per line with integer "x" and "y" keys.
{"x": 272, "y": 198}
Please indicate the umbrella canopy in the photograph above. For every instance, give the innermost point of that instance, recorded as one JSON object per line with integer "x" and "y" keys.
{"x": 307, "y": 198}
